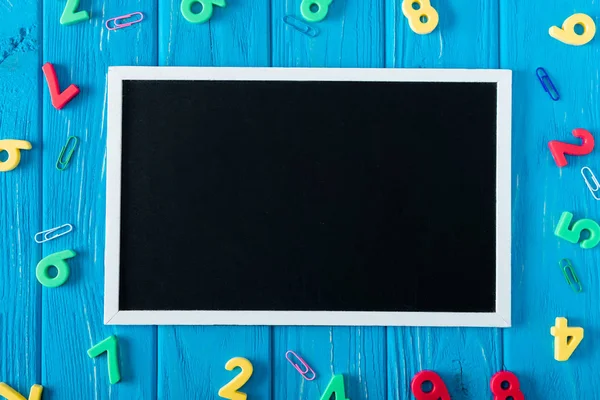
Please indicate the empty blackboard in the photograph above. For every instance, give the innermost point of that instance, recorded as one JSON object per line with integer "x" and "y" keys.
{"x": 308, "y": 197}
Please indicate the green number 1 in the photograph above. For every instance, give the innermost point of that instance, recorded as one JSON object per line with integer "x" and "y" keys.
{"x": 336, "y": 386}
{"x": 574, "y": 234}
{"x": 202, "y": 16}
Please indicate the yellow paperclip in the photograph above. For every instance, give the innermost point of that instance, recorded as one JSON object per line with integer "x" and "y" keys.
{"x": 567, "y": 33}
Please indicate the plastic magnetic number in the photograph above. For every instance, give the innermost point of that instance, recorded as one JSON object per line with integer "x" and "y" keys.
{"x": 574, "y": 234}
{"x": 319, "y": 14}
{"x": 108, "y": 345}
{"x": 59, "y": 100}
{"x": 71, "y": 16}
{"x": 13, "y": 148}
{"x": 506, "y": 386}
{"x": 439, "y": 391}
{"x": 230, "y": 391}
{"x": 422, "y": 20}
{"x": 11, "y": 394}
{"x": 566, "y": 339}
{"x": 335, "y": 387}
{"x": 202, "y": 16}
{"x": 559, "y": 149}
{"x": 56, "y": 260}
{"x": 567, "y": 33}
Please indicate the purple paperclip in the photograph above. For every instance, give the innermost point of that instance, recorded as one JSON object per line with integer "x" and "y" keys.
{"x": 307, "y": 368}
{"x": 116, "y": 24}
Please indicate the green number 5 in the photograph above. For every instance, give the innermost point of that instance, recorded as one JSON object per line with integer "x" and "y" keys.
{"x": 202, "y": 16}
{"x": 574, "y": 234}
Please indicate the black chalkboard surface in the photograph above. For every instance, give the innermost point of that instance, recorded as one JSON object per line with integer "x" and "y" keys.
{"x": 362, "y": 197}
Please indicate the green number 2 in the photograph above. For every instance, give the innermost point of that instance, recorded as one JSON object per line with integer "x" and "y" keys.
{"x": 71, "y": 16}
{"x": 202, "y": 16}
{"x": 336, "y": 386}
{"x": 574, "y": 234}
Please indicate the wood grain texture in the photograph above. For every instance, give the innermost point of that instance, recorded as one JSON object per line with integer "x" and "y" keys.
{"x": 352, "y": 35}
{"x": 20, "y": 194}
{"x": 192, "y": 359}
{"x": 466, "y": 358}
{"x": 44, "y": 334}
{"x": 542, "y": 191}
{"x": 72, "y": 313}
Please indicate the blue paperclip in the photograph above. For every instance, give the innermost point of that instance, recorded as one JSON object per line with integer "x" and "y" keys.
{"x": 300, "y": 26}
{"x": 547, "y": 83}
{"x": 306, "y": 371}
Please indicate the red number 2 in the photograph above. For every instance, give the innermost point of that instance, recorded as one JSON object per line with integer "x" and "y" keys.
{"x": 505, "y": 385}
{"x": 559, "y": 149}
{"x": 438, "y": 390}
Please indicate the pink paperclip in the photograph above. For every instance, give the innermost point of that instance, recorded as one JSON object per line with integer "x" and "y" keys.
{"x": 306, "y": 370}
{"x": 117, "y": 25}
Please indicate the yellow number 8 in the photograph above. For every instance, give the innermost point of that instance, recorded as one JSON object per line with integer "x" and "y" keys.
{"x": 423, "y": 19}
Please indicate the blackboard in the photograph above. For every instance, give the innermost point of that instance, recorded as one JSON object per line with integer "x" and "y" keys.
{"x": 308, "y": 196}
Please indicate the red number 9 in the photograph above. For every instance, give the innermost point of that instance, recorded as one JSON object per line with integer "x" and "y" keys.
{"x": 438, "y": 390}
{"x": 505, "y": 385}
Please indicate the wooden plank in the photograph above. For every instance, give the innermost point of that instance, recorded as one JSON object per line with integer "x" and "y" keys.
{"x": 192, "y": 359}
{"x": 350, "y": 36}
{"x": 542, "y": 191}
{"x": 20, "y": 194}
{"x": 73, "y": 313}
{"x": 466, "y": 358}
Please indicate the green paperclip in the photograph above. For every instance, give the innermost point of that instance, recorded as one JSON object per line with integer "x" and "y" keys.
{"x": 62, "y": 164}
{"x": 565, "y": 265}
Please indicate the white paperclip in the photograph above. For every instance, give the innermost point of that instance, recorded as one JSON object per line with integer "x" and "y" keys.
{"x": 47, "y": 234}
{"x": 589, "y": 185}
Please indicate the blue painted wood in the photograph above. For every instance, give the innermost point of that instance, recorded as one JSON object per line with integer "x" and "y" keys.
{"x": 72, "y": 313}
{"x": 466, "y": 37}
{"x": 542, "y": 192}
{"x": 44, "y": 334}
{"x": 192, "y": 359}
{"x": 20, "y": 194}
{"x": 352, "y": 35}
{"x": 358, "y": 353}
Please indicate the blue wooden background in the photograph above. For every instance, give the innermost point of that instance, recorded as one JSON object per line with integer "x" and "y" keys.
{"x": 44, "y": 333}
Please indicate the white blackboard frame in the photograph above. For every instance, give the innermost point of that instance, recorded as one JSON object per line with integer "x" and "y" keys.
{"x": 501, "y": 318}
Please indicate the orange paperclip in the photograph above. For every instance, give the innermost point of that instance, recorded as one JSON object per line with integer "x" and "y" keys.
{"x": 303, "y": 371}
{"x": 115, "y": 21}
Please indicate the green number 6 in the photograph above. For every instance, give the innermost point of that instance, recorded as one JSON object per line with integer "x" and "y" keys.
{"x": 574, "y": 234}
{"x": 317, "y": 15}
{"x": 202, "y": 16}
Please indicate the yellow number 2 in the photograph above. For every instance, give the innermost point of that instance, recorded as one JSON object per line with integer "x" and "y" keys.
{"x": 422, "y": 17}
{"x": 567, "y": 33}
{"x": 566, "y": 339}
{"x": 11, "y": 394}
{"x": 230, "y": 391}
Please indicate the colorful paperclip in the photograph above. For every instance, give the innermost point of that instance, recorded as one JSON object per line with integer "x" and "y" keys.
{"x": 594, "y": 180}
{"x": 547, "y": 84}
{"x": 115, "y": 21}
{"x": 300, "y": 26}
{"x": 303, "y": 371}
{"x": 567, "y": 268}
{"x": 53, "y": 233}
{"x": 62, "y": 163}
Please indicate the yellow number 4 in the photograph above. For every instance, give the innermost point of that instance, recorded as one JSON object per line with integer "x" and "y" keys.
{"x": 11, "y": 394}
{"x": 566, "y": 339}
